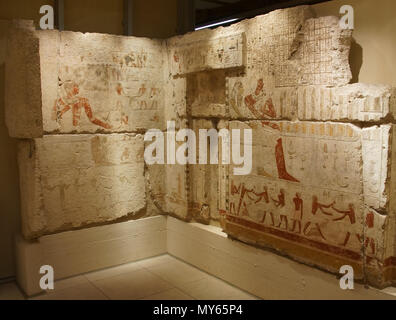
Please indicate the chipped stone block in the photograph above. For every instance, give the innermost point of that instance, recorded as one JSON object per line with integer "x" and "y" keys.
{"x": 306, "y": 192}
{"x": 206, "y": 95}
{"x": 356, "y": 102}
{"x": 374, "y": 247}
{"x": 318, "y": 56}
{"x": 321, "y": 195}
{"x": 83, "y": 83}
{"x": 206, "y": 54}
{"x": 155, "y": 189}
{"x": 73, "y": 181}
{"x": 203, "y": 179}
{"x": 286, "y": 47}
{"x": 49, "y": 78}
{"x": 175, "y": 101}
{"x": 384, "y": 274}
{"x": 186, "y": 191}
{"x": 23, "y": 113}
{"x": 176, "y": 192}
{"x": 168, "y": 183}
{"x": 118, "y": 86}
{"x": 252, "y": 98}
{"x": 376, "y": 159}
{"x": 392, "y": 101}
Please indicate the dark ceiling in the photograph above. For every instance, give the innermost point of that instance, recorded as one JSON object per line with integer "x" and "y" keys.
{"x": 209, "y": 11}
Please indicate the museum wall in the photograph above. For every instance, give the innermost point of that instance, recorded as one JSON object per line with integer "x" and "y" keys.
{"x": 373, "y": 54}
{"x": 21, "y": 9}
{"x": 9, "y": 182}
{"x": 94, "y": 16}
{"x": 154, "y": 19}
{"x": 107, "y": 16}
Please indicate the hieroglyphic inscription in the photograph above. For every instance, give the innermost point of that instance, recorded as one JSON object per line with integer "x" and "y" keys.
{"x": 221, "y": 53}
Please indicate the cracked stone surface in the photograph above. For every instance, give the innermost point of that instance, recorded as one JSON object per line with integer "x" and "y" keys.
{"x": 324, "y": 152}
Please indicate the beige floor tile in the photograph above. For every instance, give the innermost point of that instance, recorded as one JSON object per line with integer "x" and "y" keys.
{"x": 68, "y": 283}
{"x": 10, "y": 291}
{"x": 132, "y": 285}
{"x": 159, "y": 278}
{"x": 177, "y": 272}
{"x": 172, "y": 294}
{"x": 156, "y": 261}
{"x": 214, "y": 289}
{"x": 64, "y": 284}
{"x": 112, "y": 272}
{"x": 85, "y": 291}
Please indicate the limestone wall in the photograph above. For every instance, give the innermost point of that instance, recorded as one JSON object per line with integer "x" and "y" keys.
{"x": 81, "y": 103}
{"x": 323, "y": 149}
{"x": 320, "y": 189}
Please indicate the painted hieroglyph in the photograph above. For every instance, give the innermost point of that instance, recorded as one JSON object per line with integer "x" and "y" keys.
{"x": 323, "y": 178}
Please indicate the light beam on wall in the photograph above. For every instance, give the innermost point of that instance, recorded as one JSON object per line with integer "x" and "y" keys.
{"x": 215, "y": 24}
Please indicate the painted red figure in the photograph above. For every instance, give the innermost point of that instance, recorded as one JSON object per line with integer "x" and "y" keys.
{"x": 281, "y": 199}
{"x": 281, "y": 163}
{"x": 280, "y": 203}
{"x": 75, "y": 103}
{"x": 265, "y": 110}
{"x": 368, "y": 241}
{"x": 251, "y": 195}
{"x": 310, "y": 228}
{"x": 298, "y": 211}
{"x": 261, "y": 196}
{"x": 350, "y": 213}
{"x": 318, "y": 206}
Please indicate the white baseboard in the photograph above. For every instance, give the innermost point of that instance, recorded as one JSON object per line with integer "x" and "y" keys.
{"x": 76, "y": 252}
{"x": 259, "y": 272}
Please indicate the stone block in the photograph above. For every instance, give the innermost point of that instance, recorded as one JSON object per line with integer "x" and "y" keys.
{"x": 168, "y": 182}
{"x": 222, "y": 52}
{"x": 118, "y": 83}
{"x": 203, "y": 180}
{"x": 320, "y": 194}
{"x": 23, "y": 113}
{"x": 177, "y": 193}
{"x": 350, "y": 103}
{"x": 175, "y": 100}
{"x": 75, "y": 181}
{"x": 206, "y": 94}
{"x": 82, "y": 83}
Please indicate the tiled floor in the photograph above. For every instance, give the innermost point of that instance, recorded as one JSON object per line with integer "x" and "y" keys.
{"x": 159, "y": 278}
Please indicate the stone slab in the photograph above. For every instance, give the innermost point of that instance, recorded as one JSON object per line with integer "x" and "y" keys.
{"x": 74, "y": 181}
{"x": 319, "y": 195}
